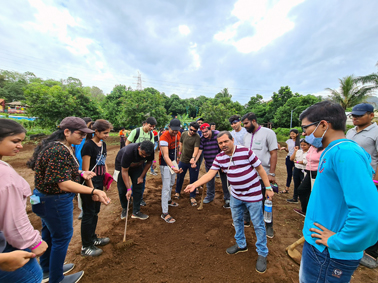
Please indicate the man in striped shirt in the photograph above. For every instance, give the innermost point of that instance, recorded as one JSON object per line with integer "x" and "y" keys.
{"x": 209, "y": 147}
{"x": 241, "y": 166}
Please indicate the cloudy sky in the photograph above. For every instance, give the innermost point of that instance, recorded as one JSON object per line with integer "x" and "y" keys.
{"x": 193, "y": 47}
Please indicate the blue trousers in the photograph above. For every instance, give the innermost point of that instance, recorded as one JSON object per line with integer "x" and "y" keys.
{"x": 31, "y": 272}
{"x": 193, "y": 174}
{"x": 56, "y": 212}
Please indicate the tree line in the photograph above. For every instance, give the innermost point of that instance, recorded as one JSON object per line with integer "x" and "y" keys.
{"x": 52, "y": 100}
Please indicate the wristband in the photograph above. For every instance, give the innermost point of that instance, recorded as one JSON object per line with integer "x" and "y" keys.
{"x": 129, "y": 189}
{"x": 269, "y": 188}
{"x": 375, "y": 181}
{"x": 172, "y": 166}
{"x": 92, "y": 191}
{"x": 180, "y": 153}
{"x": 37, "y": 246}
{"x": 154, "y": 161}
{"x": 297, "y": 161}
{"x": 82, "y": 173}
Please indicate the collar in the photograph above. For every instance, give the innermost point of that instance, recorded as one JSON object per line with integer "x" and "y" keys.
{"x": 373, "y": 125}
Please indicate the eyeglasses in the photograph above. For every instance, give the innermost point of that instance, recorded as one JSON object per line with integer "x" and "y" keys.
{"x": 81, "y": 134}
{"x": 306, "y": 126}
{"x": 194, "y": 131}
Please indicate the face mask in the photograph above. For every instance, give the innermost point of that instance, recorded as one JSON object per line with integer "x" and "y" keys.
{"x": 314, "y": 141}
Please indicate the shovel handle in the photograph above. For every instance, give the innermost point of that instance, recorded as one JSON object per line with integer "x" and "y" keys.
{"x": 127, "y": 214}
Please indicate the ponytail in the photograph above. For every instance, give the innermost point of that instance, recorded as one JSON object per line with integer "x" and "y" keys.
{"x": 100, "y": 125}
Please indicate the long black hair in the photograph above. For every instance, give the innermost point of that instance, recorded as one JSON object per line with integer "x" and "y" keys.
{"x": 297, "y": 140}
{"x": 10, "y": 128}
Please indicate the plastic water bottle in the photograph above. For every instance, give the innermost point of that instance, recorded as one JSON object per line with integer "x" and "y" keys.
{"x": 268, "y": 211}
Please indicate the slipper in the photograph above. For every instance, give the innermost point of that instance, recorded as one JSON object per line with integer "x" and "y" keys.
{"x": 193, "y": 202}
{"x": 284, "y": 192}
{"x": 177, "y": 196}
{"x": 169, "y": 220}
{"x": 172, "y": 203}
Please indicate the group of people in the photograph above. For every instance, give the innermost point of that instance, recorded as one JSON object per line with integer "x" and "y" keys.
{"x": 340, "y": 222}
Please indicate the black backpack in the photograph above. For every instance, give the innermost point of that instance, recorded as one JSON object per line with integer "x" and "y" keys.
{"x": 137, "y": 135}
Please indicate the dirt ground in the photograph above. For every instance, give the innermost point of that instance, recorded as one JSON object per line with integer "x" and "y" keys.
{"x": 192, "y": 249}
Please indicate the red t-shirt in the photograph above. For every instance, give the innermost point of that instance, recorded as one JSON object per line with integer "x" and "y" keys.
{"x": 172, "y": 142}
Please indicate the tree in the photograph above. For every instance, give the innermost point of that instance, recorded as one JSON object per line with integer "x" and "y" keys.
{"x": 350, "y": 92}
{"x": 278, "y": 99}
{"x": 223, "y": 94}
{"x": 218, "y": 114}
{"x": 369, "y": 79}
{"x": 13, "y": 83}
{"x": 97, "y": 93}
{"x": 185, "y": 120}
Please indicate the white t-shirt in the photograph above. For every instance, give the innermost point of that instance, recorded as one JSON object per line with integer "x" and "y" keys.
{"x": 300, "y": 156}
{"x": 290, "y": 146}
{"x": 239, "y": 136}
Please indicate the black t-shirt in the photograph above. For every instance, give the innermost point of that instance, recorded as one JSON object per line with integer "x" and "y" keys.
{"x": 128, "y": 155}
{"x": 90, "y": 148}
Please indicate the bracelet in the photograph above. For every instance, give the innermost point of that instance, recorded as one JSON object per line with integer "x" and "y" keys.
{"x": 180, "y": 153}
{"x": 129, "y": 189}
{"x": 297, "y": 161}
{"x": 375, "y": 181}
{"x": 82, "y": 173}
{"x": 269, "y": 188}
{"x": 154, "y": 161}
{"x": 92, "y": 191}
{"x": 172, "y": 166}
{"x": 37, "y": 245}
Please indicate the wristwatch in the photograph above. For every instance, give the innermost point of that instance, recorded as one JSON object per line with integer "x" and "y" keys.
{"x": 272, "y": 174}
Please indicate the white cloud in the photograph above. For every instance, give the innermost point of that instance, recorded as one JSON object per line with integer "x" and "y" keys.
{"x": 268, "y": 21}
{"x": 196, "y": 57}
{"x": 184, "y": 29}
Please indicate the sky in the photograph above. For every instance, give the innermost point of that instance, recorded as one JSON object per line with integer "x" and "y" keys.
{"x": 193, "y": 48}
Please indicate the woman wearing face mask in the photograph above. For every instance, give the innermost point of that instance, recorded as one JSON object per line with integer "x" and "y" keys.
{"x": 56, "y": 182}
{"x": 17, "y": 233}
{"x": 290, "y": 145}
{"x": 94, "y": 157}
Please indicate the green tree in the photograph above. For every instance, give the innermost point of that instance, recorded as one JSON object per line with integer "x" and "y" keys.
{"x": 350, "y": 93}
{"x": 223, "y": 94}
{"x": 218, "y": 114}
{"x": 13, "y": 83}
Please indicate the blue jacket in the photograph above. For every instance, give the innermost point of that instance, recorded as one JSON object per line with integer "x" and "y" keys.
{"x": 344, "y": 200}
{"x": 78, "y": 149}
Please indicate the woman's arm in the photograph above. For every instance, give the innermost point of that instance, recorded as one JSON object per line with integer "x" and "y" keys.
{"x": 85, "y": 167}
{"x": 73, "y": 187}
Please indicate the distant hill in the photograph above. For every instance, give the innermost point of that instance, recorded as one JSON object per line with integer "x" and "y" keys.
{"x": 374, "y": 101}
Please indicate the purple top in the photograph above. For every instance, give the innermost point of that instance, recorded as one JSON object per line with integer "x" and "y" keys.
{"x": 210, "y": 148}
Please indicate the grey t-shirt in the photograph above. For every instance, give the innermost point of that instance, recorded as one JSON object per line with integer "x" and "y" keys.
{"x": 239, "y": 136}
{"x": 368, "y": 140}
{"x": 264, "y": 141}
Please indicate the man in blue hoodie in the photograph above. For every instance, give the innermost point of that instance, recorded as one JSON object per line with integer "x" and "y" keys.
{"x": 341, "y": 219}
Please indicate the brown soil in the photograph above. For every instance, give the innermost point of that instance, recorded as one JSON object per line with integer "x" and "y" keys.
{"x": 192, "y": 249}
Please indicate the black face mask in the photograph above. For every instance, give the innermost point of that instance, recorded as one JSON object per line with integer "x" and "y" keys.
{"x": 250, "y": 129}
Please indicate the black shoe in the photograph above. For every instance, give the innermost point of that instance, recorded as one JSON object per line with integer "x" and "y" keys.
{"x": 269, "y": 232}
{"x": 73, "y": 278}
{"x": 292, "y": 200}
{"x": 139, "y": 215}
{"x": 91, "y": 251}
{"x": 226, "y": 204}
{"x": 261, "y": 264}
{"x": 101, "y": 241}
{"x": 235, "y": 249}
{"x": 142, "y": 203}
{"x": 123, "y": 214}
{"x": 66, "y": 268}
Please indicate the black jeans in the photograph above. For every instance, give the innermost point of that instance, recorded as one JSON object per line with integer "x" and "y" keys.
{"x": 297, "y": 177}
{"x": 91, "y": 209}
{"x": 247, "y": 217}
{"x": 304, "y": 189}
{"x": 289, "y": 168}
{"x": 134, "y": 173}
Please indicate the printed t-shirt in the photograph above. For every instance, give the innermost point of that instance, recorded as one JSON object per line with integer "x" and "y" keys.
{"x": 55, "y": 165}
{"x": 264, "y": 141}
{"x": 142, "y": 136}
{"x": 188, "y": 143}
{"x": 242, "y": 175}
{"x": 239, "y": 136}
{"x": 168, "y": 141}
{"x": 91, "y": 149}
{"x": 210, "y": 148}
{"x": 368, "y": 140}
{"x": 129, "y": 155}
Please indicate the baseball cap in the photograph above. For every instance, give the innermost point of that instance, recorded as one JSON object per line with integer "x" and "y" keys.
{"x": 75, "y": 123}
{"x": 361, "y": 109}
{"x": 175, "y": 124}
{"x": 204, "y": 126}
{"x": 200, "y": 119}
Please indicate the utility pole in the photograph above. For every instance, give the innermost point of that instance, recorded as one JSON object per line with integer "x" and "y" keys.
{"x": 291, "y": 118}
{"x": 139, "y": 82}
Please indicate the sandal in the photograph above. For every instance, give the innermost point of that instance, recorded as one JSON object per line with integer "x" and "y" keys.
{"x": 177, "y": 196}
{"x": 172, "y": 203}
{"x": 193, "y": 202}
{"x": 284, "y": 192}
{"x": 169, "y": 220}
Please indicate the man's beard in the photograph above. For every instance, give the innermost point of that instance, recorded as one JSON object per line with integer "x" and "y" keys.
{"x": 250, "y": 129}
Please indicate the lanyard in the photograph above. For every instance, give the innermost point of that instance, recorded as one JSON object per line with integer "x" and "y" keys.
{"x": 250, "y": 146}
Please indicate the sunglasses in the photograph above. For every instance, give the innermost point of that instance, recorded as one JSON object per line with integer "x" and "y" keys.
{"x": 357, "y": 116}
{"x": 194, "y": 131}
{"x": 306, "y": 126}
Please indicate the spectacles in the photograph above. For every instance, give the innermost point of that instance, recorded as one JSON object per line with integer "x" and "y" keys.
{"x": 81, "y": 134}
{"x": 194, "y": 131}
{"x": 306, "y": 126}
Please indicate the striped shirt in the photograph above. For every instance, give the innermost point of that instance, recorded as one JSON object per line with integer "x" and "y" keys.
{"x": 210, "y": 148}
{"x": 242, "y": 175}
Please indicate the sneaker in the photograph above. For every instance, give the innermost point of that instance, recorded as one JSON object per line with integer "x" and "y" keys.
{"x": 206, "y": 200}
{"x": 368, "y": 261}
{"x": 139, "y": 215}
{"x": 80, "y": 215}
{"x": 123, "y": 213}
{"x": 235, "y": 249}
{"x": 73, "y": 278}
{"x": 101, "y": 241}
{"x": 66, "y": 268}
{"x": 269, "y": 232}
{"x": 292, "y": 200}
{"x": 300, "y": 212}
{"x": 91, "y": 251}
{"x": 226, "y": 204}
{"x": 142, "y": 203}
{"x": 153, "y": 173}
{"x": 261, "y": 264}
{"x": 246, "y": 224}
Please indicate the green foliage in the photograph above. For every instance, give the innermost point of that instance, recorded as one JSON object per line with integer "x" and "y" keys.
{"x": 12, "y": 84}
{"x": 218, "y": 114}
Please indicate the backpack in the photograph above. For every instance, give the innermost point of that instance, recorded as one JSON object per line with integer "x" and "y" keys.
{"x": 137, "y": 135}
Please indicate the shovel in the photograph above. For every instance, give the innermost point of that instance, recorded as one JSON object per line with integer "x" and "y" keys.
{"x": 293, "y": 253}
{"x": 202, "y": 197}
{"x": 129, "y": 242}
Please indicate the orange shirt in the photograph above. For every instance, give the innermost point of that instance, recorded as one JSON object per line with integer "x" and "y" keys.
{"x": 172, "y": 143}
{"x": 121, "y": 133}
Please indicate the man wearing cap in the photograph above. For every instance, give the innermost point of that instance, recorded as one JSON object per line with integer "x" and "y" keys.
{"x": 168, "y": 157}
{"x": 209, "y": 147}
{"x": 365, "y": 133}
{"x": 238, "y": 132}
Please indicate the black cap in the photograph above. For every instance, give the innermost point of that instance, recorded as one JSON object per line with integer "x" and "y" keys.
{"x": 175, "y": 124}
{"x": 200, "y": 119}
{"x": 361, "y": 109}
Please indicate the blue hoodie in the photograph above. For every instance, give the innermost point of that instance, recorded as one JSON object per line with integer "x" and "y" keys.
{"x": 344, "y": 200}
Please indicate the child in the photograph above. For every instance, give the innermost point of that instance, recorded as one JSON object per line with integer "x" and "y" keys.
{"x": 299, "y": 159}
{"x": 290, "y": 145}
{"x": 94, "y": 156}
{"x": 122, "y": 138}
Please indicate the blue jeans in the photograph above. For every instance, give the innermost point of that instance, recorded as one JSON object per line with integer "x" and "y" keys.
{"x": 210, "y": 193}
{"x": 193, "y": 173}
{"x": 56, "y": 212}
{"x": 257, "y": 218}
{"x": 31, "y": 272}
{"x": 317, "y": 267}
